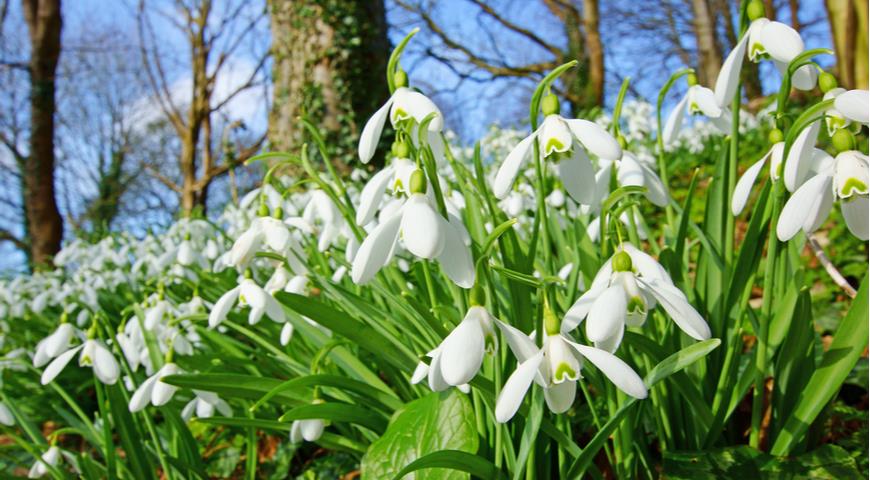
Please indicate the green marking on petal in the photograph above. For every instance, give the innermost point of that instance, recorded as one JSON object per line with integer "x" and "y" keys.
{"x": 553, "y": 144}
{"x": 636, "y": 305}
{"x": 853, "y": 185}
{"x": 564, "y": 372}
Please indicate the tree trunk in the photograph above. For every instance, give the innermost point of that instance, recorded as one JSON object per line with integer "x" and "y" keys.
{"x": 44, "y": 223}
{"x": 709, "y": 55}
{"x": 793, "y": 8}
{"x": 848, "y": 21}
{"x": 328, "y": 69}
{"x": 594, "y": 51}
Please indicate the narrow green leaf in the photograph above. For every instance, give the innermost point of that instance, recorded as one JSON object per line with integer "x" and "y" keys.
{"x": 338, "y": 412}
{"x": 454, "y": 460}
{"x": 850, "y": 340}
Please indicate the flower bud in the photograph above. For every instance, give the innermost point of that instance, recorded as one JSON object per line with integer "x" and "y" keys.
{"x": 843, "y": 140}
{"x": 278, "y": 213}
{"x": 550, "y": 105}
{"x": 263, "y": 211}
{"x": 755, "y": 10}
{"x": 417, "y": 182}
{"x": 400, "y": 149}
{"x": 551, "y": 324}
{"x": 827, "y": 82}
{"x": 400, "y": 78}
{"x": 623, "y": 143}
{"x": 692, "y": 79}
{"x": 775, "y": 136}
{"x": 477, "y": 296}
{"x": 621, "y": 262}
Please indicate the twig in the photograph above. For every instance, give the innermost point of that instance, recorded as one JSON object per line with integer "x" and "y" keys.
{"x": 830, "y": 268}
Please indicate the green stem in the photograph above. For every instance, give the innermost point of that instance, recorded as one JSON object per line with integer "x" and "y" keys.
{"x": 773, "y": 246}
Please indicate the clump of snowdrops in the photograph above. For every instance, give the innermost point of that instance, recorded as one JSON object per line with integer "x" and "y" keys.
{"x": 546, "y": 309}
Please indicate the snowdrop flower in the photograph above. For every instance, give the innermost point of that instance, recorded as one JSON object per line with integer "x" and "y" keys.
{"x": 95, "y": 354}
{"x": 186, "y": 254}
{"x": 629, "y": 172}
{"x": 155, "y": 314}
{"x": 53, "y": 345}
{"x": 44, "y": 464}
{"x": 286, "y": 334}
{"x": 324, "y": 214}
{"x": 154, "y": 390}
{"x": 309, "y": 430}
{"x": 847, "y": 180}
{"x": 248, "y": 293}
{"x": 593, "y": 230}
{"x": 204, "y": 405}
{"x": 698, "y": 100}
{"x": 556, "y": 368}
{"x": 425, "y": 233}
{"x": 623, "y": 292}
{"x": 459, "y": 356}
{"x": 405, "y": 104}
{"x": 763, "y": 39}
{"x": 565, "y": 142}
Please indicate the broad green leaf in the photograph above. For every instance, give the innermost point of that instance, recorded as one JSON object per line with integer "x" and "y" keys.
{"x": 454, "y": 460}
{"x": 744, "y": 462}
{"x": 850, "y": 340}
{"x": 388, "y": 399}
{"x": 438, "y": 421}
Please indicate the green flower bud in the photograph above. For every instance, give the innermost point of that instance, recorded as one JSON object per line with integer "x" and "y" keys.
{"x": 400, "y": 78}
{"x": 401, "y": 150}
{"x": 843, "y": 140}
{"x": 775, "y": 136}
{"x": 692, "y": 79}
{"x": 552, "y": 325}
{"x": 827, "y": 82}
{"x": 418, "y": 182}
{"x": 263, "y": 211}
{"x": 621, "y": 262}
{"x": 278, "y": 213}
{"x": 550, "y": 105}
{"x": 755, "y": 10}
{"x": 622, "y": 142}
{"x": 477, "y": 296}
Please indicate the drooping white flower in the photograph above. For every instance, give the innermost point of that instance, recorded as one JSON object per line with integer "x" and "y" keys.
{"x": 309, "y": 430}
{"x": 95, "y": 354}
{"x": 845, "y": 179}
{"x": 43, "y": 465}
{"x": 248, "y": 293}
{"x": 6, "y": 417}
{"x": 459, "y": 356}
{"x": 404, "y": 104}
{"x": 425, "y": 233}
{"x": 53, "y": 345}
{"x": 153, "y": 390}
{"x": 322, "y": 213}
{"x": 566, "y": 142}
{"x": 556, "y": 368}
{"x": 204, "y": 404}
{"x": 626, "y": 288}
{"x": 629, "y": 172}
{"x": 394, "y": 178}
{"x": 698, "y": 100}
{"x": 764, "y": 39}
{"x": 854, "y": 105}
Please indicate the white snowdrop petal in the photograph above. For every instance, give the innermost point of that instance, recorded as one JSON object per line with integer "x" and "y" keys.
{"x": 462, "y": 351}
{"x": 617, "y": 371}
{"x": 372, "y": 195}
{"x": 607, "y": 314}
{"x": 520, "y": 344}
{"x": 799, "y": 159}
{"x": 855, "y": 211}
{"x": 744, "y": 185}
{"x": 675, "y": 121}
{"x": 507, "y": 172}
{"x": 781, "y": 42}
{"x": 800, "y": 205}
{"x": 729, "y": 74}
{"x": 596, "y": 139}
{"x": 422, "y": 228}
{"x": 368, "y": 139}
{"x": 854, "y": 105}
{"x": 222, "y": 307}
{"x": 560, "y": 396}
{"x": 578, "y": 176}
{"x": 57, "y": 365}
{"x": 514, "y": 390}
{"x": 376, "y": 250}
{"x": 679, "y": 309}
{"x": 455, "y": 257}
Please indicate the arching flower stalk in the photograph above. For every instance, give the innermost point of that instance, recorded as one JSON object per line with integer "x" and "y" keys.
{"x": 627, "y": 287}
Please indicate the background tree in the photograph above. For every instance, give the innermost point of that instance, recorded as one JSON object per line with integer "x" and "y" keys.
{"x": 848, "y": 20}
{"x": 196, "y": 110}
{"x": 328, "y": 68}
{"x": 44, "y": 227}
